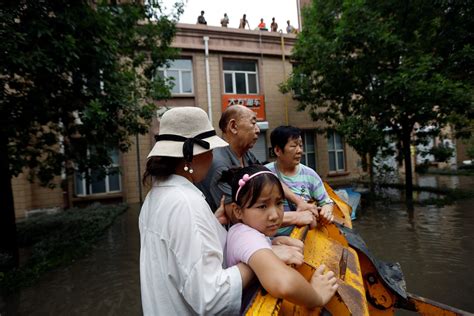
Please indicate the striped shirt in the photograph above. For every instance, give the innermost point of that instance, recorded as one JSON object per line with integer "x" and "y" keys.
{"x": 306, "y": 183}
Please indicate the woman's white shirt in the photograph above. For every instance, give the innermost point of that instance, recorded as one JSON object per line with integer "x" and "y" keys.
{"x": 181, "y": 254}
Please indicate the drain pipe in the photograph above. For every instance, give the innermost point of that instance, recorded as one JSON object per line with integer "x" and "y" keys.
{"x": 283, "y": 62}
{"x": 208, "y": 79}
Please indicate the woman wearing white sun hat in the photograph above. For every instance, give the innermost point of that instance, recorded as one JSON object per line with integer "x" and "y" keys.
{"x": 182, "y": 242}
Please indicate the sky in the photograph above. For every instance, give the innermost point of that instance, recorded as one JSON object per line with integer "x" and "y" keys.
{"x": 282, "y": 10}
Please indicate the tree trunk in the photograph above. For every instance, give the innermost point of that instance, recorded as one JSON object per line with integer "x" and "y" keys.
{"x": 8, "y": 243}
{"x": 406, "y": 142}
{"x": 371, "y": 175}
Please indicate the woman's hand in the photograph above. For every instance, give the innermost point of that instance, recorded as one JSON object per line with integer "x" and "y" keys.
{"x": 326, "y": 213}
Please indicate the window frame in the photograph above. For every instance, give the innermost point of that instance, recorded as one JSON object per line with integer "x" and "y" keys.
{"x": 87, "y": 187}
{"x": 179, "y": 81}
{"x": 305, "y": 134}
{"x": 336, "y": 151}
{"x": 245, "y": 72}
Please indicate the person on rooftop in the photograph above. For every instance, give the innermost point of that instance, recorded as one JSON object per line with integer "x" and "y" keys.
{"x": 244, "y": 22}
{"x": 262, "y": 26}
{"x": 201, "y": 19}
{"x": 225, "y": 20}
{"x": 290, "y": 29}
{"x": 274, "y": 26}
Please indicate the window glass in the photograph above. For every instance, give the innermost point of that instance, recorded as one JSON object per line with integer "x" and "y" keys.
{"x": 338, "y": 141}
{"x": 336, "y": 152}
{"x": 340, "y": 160}
{"x": 252, "y": 81}
{"x": 311, "y": 161}
{"x": 97, "y": 183}
{"x": 331, "y": 141}
{"x": 114, "y": 179}
{"x": 228, "y": 83}
{"x": 181, "y": 64}
{"x": 114, "y": 156}
{"x": 187, "y": 82}
{"x": 332, "y": 161}
{"x": 100, "y": 181}
{"x": 240, "y": 83}
{"x": 309, "y": 149}
{"x": 180, "y": 74}
{"x": 241, "y": 65}
{"x": 79, "y": 184}
{"x": 309, "y": 143}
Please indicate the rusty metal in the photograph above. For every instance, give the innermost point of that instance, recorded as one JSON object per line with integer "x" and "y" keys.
{"x": 343, "y": 264}
{"x": 427, "y": 307}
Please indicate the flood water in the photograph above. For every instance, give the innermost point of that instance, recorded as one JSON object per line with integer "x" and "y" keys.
{"x": 434, "y": 246}
{"x": 104, "y": 283}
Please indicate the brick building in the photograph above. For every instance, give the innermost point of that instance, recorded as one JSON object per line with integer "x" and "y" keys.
{"x": 238, "y": 66}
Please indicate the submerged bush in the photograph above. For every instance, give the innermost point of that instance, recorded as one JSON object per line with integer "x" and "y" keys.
{"x": 58, "y": 239}
{"x": 442, "y": 153}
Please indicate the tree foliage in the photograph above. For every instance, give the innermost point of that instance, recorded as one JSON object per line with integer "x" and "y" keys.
{"x": 76, "y": 82}
{"x": 391, "y": 63}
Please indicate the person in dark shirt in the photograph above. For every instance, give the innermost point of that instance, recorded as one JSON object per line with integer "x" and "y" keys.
{"x": 201, "y": 19}
{"x": 274, "y": 26}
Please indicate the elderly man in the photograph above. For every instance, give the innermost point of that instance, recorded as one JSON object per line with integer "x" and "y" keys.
{"x": 239, "y": 128}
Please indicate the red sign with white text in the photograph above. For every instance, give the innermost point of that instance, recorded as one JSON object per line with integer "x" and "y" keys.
{"x": 254, "y": 102}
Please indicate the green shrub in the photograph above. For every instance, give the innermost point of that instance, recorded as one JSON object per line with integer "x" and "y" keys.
{"x": 442, "y": 153}
{"x": 58, "y": 239}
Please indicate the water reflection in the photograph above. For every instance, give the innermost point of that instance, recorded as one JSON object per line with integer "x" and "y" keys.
{"x": 104, "y": 283}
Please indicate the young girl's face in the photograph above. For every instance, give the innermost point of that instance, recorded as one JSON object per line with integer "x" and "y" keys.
{"x": 266, "y": 215}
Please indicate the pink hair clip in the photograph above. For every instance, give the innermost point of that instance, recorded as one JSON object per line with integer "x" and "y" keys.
{"x": 245, "y": 178}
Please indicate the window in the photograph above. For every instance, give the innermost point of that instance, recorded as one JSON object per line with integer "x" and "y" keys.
{"x": 240, "y": 77}
{"x": 99, "y": 183}
{"x": 336, "y": 152}
{"x": 309, "y": 148}
{"x": 181, "y": 75}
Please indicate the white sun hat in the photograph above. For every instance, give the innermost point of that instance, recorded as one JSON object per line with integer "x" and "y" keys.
{"x": 185, "y": 132}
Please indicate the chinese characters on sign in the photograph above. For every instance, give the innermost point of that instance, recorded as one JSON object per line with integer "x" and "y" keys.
{"x": 254, "y": 102}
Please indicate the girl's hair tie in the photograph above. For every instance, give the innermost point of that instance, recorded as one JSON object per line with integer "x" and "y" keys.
{"x": 245, "y": 178}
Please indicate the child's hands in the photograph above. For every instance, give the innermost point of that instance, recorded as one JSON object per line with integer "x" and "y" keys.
{"x": 325, "y": 284}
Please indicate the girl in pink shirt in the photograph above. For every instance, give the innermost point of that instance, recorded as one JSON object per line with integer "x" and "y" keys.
{"x": 257, "y": 204}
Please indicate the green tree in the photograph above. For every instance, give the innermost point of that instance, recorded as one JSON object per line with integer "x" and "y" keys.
{"x": 76, "y": 82}
{"x": 394, "y": 63}
{"x": 367, "y": 140}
